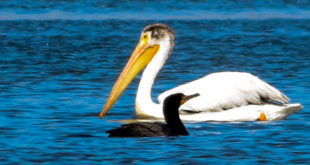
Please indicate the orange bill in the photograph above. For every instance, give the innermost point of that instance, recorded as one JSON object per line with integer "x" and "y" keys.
{"x": 140, "y": 57}
{"x": 185, "y": 98}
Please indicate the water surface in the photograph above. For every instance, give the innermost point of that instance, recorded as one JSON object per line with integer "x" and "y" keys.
{"x": 57, "y": 75}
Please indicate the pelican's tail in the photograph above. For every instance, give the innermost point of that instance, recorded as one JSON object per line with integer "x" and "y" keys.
{"x": 283, "y": 112}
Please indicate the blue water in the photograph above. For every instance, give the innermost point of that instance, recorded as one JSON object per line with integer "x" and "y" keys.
{"x": 59, "y": 60}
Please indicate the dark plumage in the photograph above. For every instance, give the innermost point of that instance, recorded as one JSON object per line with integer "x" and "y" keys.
{"x": 160, "y": 31}
{"x": 172, "y": 127}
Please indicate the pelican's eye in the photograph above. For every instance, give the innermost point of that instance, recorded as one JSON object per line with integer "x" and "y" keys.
{"x": 144, "y": 39}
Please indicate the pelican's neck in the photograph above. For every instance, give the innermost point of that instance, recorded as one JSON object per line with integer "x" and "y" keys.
{"x": 144, "y": 103}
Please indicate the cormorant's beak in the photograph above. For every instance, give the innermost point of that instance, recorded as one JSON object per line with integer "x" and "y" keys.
{"x": 185, "y": 98}
{"x": 140, "y": 57}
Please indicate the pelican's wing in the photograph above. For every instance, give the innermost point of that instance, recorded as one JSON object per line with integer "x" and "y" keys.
{"x": 226, "y": 90}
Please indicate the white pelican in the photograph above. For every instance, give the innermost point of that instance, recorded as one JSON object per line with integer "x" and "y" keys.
{"x": 224, "y": 96}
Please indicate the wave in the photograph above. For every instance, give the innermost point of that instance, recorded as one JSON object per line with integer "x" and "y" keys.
{"x": 176, "y": 15}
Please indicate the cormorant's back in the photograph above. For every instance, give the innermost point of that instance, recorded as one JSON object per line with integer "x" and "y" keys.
{"x": 141, "y": 129}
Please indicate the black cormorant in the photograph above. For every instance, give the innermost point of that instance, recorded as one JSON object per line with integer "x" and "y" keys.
{"x": 172, "y": 127}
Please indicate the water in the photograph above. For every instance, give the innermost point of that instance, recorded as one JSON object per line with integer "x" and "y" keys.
{"x": 57, "y": 73}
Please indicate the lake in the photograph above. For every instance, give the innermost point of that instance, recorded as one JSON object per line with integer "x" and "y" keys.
{"x": 59, "y": 60}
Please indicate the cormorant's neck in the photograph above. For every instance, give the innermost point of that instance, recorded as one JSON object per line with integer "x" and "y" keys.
{"x": 171, "y": 114}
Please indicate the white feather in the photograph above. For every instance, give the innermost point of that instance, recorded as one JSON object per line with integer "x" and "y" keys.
{"x": 246, "y": 113}
{"x": 226, "y": 90}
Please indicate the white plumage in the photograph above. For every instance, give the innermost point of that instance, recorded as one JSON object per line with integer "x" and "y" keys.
{"x": 226, "y": 90}
{"x": 246, "y": 113}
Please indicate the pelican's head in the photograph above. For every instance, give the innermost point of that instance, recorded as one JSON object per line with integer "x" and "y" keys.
{"x": 156, "y": 34}
{"x": 153, "y": 38}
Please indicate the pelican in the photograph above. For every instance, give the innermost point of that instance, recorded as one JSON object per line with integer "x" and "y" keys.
{"x": 174, "y": 126}
{"x": 223, "y": 96}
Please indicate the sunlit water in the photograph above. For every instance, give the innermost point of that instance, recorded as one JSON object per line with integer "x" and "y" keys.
{"x": 57, "y": 74}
